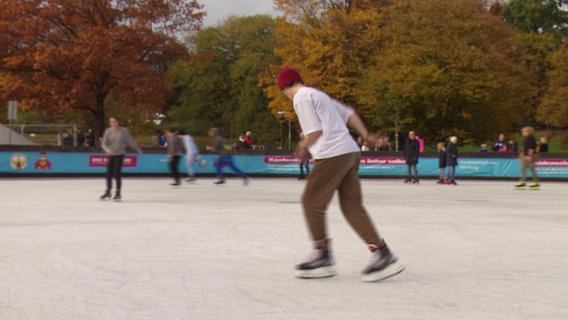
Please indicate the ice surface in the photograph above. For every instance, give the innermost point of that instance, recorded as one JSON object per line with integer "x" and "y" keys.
{"x": 480, "y": 250}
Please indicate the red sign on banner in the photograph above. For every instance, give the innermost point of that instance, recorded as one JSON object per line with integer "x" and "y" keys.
{"x": 101, "y": 161}
{"x": 552, "y": 163}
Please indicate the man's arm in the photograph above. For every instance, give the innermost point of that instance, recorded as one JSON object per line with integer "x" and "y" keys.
{"x": 132, "y": 143}
{"x": 356, "y": 122}
{"x": 302, "y": 148}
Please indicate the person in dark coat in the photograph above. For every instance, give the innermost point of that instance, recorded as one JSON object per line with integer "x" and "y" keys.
{"x": 452, "y": 160}
{"x": 442, "y": 162}
{"x": 411, "y": 155}
{"x": 543, "y": 145}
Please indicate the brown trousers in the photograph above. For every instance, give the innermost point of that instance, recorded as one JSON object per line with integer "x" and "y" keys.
{"x": 339, "y": 173}
{"x": 528, "y": 164}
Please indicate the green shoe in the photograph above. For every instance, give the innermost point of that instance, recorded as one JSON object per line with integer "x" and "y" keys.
{"x": 535, "y": 185}
{"x": 520, "y": 185}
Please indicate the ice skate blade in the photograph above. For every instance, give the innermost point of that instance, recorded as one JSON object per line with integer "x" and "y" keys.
{"x": 390, "y": 271}
{"x": 323, "y": 272}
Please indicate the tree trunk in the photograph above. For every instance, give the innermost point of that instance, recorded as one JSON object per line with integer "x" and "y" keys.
{"x": 100, "y": 126}
{"x": 100, "y": 118}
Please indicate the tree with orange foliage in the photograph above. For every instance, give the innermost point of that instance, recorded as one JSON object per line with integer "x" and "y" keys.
{"x": 91, "y": 56}
{"x": 329, "y": 42}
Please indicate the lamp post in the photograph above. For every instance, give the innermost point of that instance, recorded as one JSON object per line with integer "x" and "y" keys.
{"x": 281, "y": 114}
{"x": 12, "y": 116}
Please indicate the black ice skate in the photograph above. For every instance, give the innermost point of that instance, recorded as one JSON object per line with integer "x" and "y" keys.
{"x": 105, "y": 196}
{"x": 383, "y": 265}
{"x": 319, "y": 264}
{"x": 220, "y": 181}
{"x": 117, "y": 197}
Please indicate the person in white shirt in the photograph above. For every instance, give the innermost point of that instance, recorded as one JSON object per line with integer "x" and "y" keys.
{"x": 191, "y": 155}
{"x": 336, "y": 155}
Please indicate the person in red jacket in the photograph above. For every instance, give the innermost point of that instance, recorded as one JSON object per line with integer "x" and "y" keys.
{"x": 248, "y": 139}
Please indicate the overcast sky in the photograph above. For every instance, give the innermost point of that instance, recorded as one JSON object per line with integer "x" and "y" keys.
{"x": 217, "y": 10}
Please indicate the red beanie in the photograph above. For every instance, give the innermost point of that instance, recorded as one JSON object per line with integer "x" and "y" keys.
{"x": 287, "y": 76}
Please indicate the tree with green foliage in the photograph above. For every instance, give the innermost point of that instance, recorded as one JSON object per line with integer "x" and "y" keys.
{"x": 544, "y": 24}
{"x": 447, "y": 68}
{"x": 538, "y": 16}
{"x": 553, "y": 110}
{"x": 219, "y": 84}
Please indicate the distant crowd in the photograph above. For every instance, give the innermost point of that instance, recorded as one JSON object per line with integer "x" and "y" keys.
{"x": 502, "y": 145}
{"x": 83, "y": 139}
{"x": 244, "y": 142}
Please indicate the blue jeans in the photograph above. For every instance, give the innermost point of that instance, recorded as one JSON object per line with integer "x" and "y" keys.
{"x": 227, "y": 160}
{"x": 442, "y": 174}
{"x": 451, "y": 173}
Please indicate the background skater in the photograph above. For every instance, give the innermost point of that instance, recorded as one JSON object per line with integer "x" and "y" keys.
{"x": 527, "y": 159}
{"x": 411, "y": 155}
{"x": 442, "y": 162}
{"x": 304, "y": 163}
{"x": 452, "y": 160}
{"x": 191, "y": 155}
{"x": 174, "y": 154}
{"x": 114, "y": 144}
{"x": 225, "y": 158}
{"x": 323, "y": 122}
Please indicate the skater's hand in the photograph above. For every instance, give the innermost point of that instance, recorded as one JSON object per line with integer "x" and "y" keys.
{"x": 372, "y": 139}
{"x": 301, "y": 150}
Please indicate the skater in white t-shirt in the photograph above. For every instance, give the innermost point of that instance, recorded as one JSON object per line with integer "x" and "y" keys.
{"x": 336, "y": 165}
{"x": 191, "y": 155}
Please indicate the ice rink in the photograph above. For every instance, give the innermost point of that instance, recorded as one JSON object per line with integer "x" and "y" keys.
{"x": 479, "y": 251}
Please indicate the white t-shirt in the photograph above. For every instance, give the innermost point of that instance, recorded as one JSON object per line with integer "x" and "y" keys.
{"x": 190, "y": 147}
{"x": 317, "y": 111}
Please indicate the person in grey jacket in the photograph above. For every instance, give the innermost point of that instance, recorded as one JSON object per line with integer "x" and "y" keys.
{"x": 114, "y": 143}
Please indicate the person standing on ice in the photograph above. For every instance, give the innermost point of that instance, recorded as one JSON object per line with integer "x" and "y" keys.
{"x": 174, "y": 154}
{"x": 191, "y": 155}
{"x": 452, "y": 160}
{"x": 114, "y": 143}
{"x": 225, "y": 158}
{"x": 336, "y": 156}
{"x": 527, "y": 159}
{"x": 411, "y": 155}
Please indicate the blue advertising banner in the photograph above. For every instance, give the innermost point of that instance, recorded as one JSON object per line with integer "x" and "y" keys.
{"x": 15, "y": 162}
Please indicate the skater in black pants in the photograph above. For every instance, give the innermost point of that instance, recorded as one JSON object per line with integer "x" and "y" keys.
{"x": 174, "y": 154}
{"x": 114, "y": 143}
{"x": 411, "y": 155}
{"x": 305, "y": 164}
